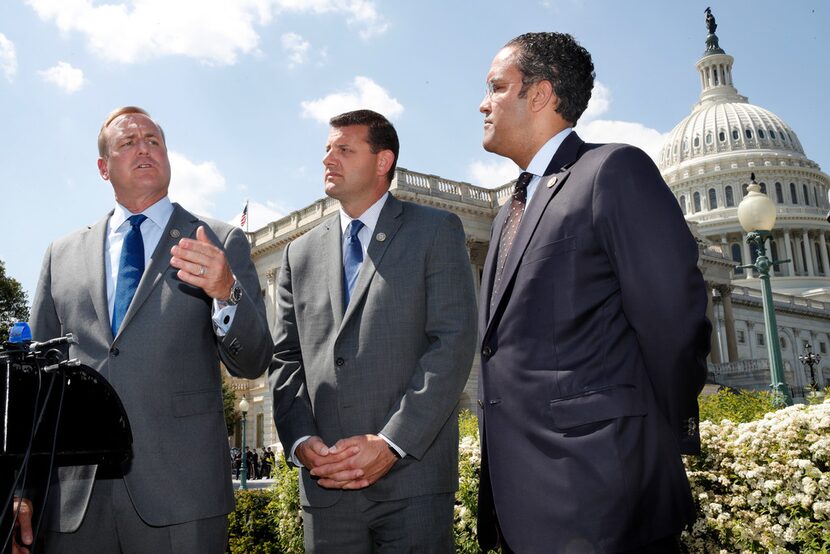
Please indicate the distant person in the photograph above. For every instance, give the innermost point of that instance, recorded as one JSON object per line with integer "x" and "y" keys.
{"x": 374, "y": 341}
{"x": 157, "y": 297}
{"x": 592, "y": 326}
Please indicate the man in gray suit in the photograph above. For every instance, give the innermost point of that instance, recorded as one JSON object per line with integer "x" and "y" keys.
{"x": 373, "y": 345}
{"x": 592, "y": 326}
{"x": 156, "y": 297}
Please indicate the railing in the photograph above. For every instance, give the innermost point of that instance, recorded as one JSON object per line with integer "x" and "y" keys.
{"x": 434, "y": 185}
{"x": 739, "y": 367}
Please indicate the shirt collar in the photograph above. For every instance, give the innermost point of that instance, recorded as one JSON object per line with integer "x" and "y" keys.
{"x": 369, "y": 218}
{"x": 540, "y": 161}
{"x": 159, "y": 213}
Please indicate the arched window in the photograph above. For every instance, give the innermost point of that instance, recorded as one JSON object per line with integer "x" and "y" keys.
{"x": 721, "y": 136}
{"x": 779, "y": 193}
{"x": 748, "y": 133}
{"x": 760, "y": 133}
{"x": 696, "y": 200}
{"x": 806, "y": 195}
{"x": 685, "y": 144}
{"x": 696, "y": 142}
{"x": 713, "y": 199}
{"x": 753, "y": 252}
{"x": 730, "y": 199}
{"x": 763, "y": 188}
{"x": 772, "y": 134}
{"x": 683, "y": 203}
{"x": 737, "y": 257}
{"x": 708, "y": 138}
{"x": 735, "y": 134}
{"x": 815, "y": 195}
{"x": 744, "y": 189}
{"x": 793, "y": 195}
{"x": 819, "y": 263}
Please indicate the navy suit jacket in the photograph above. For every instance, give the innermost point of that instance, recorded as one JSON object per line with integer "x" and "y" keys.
{"x": 592, "y": 359}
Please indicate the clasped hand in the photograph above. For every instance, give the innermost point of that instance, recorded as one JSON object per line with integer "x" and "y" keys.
{"x": 351, "y": 463}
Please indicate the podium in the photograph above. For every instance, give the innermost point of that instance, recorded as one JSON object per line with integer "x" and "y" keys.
{"x": 79, "y": 418}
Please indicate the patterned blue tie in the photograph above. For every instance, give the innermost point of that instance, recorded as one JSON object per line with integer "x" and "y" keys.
{"x": 130, "y": 269}
{"x": 353, "y": 257}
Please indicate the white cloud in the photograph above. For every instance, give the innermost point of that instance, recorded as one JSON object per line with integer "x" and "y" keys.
{"x": 64, "y": 76}
{"x": 650, "y": 140}
{"x": 492, "y": 173}
{"x": 194, "y": 185}
{"x": 599, "y": 103}
{"x": 8, "y": 58}
{"x": 296, "y": 47}
{"x": 213, "y": 31}
{"x": 260, "y": 215}
{"x": 364, "y": 94}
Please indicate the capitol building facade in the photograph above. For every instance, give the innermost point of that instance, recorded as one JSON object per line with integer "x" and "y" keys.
{"x": 707, "y": 162}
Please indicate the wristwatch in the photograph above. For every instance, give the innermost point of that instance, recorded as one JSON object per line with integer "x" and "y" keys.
{"x": 236, "y": 294}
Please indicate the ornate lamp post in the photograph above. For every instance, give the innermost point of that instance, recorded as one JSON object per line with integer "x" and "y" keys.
{"x": 810, "y": 359}
{"x": 243, "y": 475}
{"x": 756, "y": 213}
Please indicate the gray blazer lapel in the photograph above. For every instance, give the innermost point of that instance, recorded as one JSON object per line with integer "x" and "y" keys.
{"x": 333, "y": 258}
{"x": 96, "y": 239}
{"x": 182, "y": 224}
{"x": 545, "y": 191}
{"x": 389, "y": 222}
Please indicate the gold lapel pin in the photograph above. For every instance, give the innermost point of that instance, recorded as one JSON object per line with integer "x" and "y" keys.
{"x": 175, "y": 233}
{"x": 380, "y": 237}
{"x": 552, "y": 182}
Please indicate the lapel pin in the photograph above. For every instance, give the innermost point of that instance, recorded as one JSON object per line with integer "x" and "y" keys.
{"x": 552, "y": 182}
{"x": 175, "y": 233}
{"x": 380, "y": 237}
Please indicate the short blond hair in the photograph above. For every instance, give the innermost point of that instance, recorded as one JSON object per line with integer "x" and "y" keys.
{"x": 113, "y": 115}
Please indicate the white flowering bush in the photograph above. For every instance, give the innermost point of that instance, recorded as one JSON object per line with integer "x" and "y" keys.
{"x": 466, "y": 499}
{"x": 764, "y": 485}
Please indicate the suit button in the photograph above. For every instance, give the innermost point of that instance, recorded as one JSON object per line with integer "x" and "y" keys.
{"x": 339, "y": 362}
{"x": 114, "y": 352}
{"x": 487, "y": 351}
{"x": 481, "y": 403}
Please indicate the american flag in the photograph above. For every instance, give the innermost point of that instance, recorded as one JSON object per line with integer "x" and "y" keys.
{"x": 243, "y": 221}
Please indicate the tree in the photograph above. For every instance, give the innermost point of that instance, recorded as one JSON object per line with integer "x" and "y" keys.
{"x": 14, "y": 304}
{"x": 229, "y": 401}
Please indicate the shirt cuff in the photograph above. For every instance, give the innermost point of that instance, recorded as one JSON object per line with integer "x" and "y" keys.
{"x": 394, "y": 446}
{"x": 293, "y": 453}
{"x": 222, "y": 317}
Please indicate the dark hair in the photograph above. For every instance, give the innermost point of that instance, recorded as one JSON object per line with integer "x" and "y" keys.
{"x": 382, "y": 135}
{"x": 559, "y": 59}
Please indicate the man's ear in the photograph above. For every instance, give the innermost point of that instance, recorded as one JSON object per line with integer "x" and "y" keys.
{"x": 541, "y": 96}
{"x": 385, "y": 159}
{"x": 102, "y": 169}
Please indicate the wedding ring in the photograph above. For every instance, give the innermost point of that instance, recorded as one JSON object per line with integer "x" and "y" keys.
{"x": 202, "y": 270}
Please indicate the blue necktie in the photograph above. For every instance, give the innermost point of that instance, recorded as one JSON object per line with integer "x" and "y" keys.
{"x": 353, "y": 257}
{"x": 130, "y": 269}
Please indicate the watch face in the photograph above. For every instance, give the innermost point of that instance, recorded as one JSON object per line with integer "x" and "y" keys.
{"x": 236, "y": 293}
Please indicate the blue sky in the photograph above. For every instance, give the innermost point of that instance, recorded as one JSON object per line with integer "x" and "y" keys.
{"x": 243, "y": 89}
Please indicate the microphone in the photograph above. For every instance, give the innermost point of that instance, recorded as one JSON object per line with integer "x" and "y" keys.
{"x": 69, "y": 338}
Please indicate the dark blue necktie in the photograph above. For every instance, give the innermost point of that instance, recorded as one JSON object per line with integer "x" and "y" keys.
{"x": 130, "y": 269}
{"x": 353, "y": 257}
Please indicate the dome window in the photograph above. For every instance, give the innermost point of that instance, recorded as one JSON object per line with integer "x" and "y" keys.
{"x": 806, "y": 196}
{"x": 763, "y": 188}
{"x": 815, "y": 195}
{"x": 721, "y": 136}
{"x": 743, "y": 188}
{"x": 748, "y": 133}
{"x": 683, "y": 203}
{"x": 737, "y": 256}
{"x": 696, "y": 142}
{"x": 708, "y": 138}
{"x": 735, "y": 134}
{"x": 713, "y": 199}
{"x": 761, "y": 133}
{"x": 685, "y": 144}
{"x": 772, "y": 134}
{"x": 793, "y": 195}
{"x": 730, "y": 198}
{"x": 779, "y": 193}
{"x": 696, "y": 198}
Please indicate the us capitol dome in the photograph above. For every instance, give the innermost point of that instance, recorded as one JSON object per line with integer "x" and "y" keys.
{"x": 707, "y": 161}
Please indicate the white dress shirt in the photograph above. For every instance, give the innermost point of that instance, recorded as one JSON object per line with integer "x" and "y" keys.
{"x": 540, "y": 161}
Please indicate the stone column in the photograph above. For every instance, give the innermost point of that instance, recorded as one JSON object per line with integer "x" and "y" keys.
{"x": 823, "y": 244}
{"x": 808, "y": 254}
{"x": 714, "y": 351}
{"x": 729, "y": 323}
{"x": 747, "y": 256}
{"x": 788, "y": 254}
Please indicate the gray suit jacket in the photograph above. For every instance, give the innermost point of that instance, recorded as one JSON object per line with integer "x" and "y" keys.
{"x": 592, "y": 359}
{"x": 394, "y": 363}
{"x": 164, "y": 364}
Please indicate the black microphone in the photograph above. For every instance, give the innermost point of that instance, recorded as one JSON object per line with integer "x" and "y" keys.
{"x": 69, "y": 338}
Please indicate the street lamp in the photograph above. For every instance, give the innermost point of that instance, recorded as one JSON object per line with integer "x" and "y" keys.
{"x": 810, "y": 359}
{"x": 243, "y": 474}
{"x": 756, "y": 214}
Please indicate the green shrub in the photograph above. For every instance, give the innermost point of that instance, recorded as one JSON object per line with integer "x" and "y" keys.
{"x": 738, "y": 406}
{"x": 285, "y": 506}
{"x": 250, "y": 529}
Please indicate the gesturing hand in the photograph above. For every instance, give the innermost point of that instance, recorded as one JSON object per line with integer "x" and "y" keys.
{"x": 202, "y": 264}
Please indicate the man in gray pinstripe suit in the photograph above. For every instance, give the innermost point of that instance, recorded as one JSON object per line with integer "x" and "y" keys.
{"x": 373, "y": 345}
